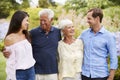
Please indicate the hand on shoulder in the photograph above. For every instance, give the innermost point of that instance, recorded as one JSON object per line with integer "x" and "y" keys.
{"x": 10, "y": 39}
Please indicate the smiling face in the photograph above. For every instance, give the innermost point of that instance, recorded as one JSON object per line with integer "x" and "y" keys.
{"x": 45, "y": 22}
{"x": 91, "y": 20}
{"x": 25, "y": 23}
{"x": 68, "y": 30}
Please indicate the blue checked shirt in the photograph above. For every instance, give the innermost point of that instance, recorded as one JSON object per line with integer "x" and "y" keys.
{"x": 97, "y": 48}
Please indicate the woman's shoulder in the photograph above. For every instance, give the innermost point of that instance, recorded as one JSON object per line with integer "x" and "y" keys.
{"x": 10, "y": 39}
{"x": 61, "y": 41}
{"x": 79, "y": 40}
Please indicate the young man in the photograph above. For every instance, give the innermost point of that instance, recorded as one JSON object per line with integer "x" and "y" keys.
{"x": 98, "y": 45}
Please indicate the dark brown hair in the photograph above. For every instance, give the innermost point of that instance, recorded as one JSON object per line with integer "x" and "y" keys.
{"x": 16, "y": 23}
{"x": 97, "y": 12}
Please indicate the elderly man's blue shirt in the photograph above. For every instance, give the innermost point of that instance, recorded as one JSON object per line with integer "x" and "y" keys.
{"x": 45, "y": 50}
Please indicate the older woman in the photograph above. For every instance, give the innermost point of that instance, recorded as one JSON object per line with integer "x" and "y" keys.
{"x": 70, "y": 52}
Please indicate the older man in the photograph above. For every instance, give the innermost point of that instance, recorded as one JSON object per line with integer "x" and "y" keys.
{"x": 44, "y": 43}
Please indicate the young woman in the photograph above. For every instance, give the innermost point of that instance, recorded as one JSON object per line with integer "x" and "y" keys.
{"x": 19, "y": 65}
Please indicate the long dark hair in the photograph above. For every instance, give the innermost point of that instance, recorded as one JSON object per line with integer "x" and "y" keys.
{"x": 16, "y": 23}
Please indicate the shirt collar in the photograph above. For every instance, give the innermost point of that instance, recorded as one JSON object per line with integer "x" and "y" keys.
{"x": 102, "y": 30}
{"x": 41, "y": 30}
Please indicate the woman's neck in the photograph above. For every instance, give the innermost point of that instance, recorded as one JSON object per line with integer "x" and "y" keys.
{"x": 69, "y": 40}
{"x": 21, "y": 34}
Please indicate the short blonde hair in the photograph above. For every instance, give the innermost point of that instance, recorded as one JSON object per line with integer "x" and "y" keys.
{"x": 63, "y": 23}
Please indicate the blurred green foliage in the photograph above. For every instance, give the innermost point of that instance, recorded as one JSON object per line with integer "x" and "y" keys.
{"x": 44, "y": 3}
{"x": 34, "y": 17}
{"x": 1, "y": 45}
{"x": 78, "y": 4}
{"x": 2, "y": 67}
{"x": 117, "y": 74}
{"x": 6, "y": 6}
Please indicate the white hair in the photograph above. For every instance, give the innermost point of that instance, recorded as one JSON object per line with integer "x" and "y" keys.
{"x": 49, "y": 12}
{"x": 63, "y": 23}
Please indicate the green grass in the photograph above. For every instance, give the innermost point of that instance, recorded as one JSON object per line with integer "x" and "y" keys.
{"x": 2, "y": 67}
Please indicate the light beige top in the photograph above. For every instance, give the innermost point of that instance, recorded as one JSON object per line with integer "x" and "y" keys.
{"x": 70, "y": 58}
